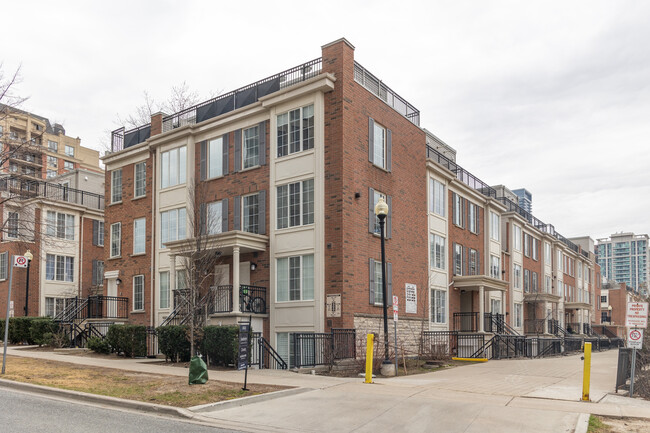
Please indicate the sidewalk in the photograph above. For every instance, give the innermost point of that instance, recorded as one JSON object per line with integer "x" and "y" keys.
{"x": 539, "y": 395}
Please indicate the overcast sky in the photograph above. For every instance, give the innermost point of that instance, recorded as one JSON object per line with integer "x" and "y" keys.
{"x": 552, "y": 96}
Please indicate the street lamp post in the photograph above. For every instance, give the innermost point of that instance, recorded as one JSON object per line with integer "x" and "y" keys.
{"x": 29, "y": 257}
{"x": 381, "y": 211}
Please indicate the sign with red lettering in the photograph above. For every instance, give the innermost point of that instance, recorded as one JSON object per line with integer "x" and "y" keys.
{"x": 637, "y": 315}
{"x": 635, "y": 338}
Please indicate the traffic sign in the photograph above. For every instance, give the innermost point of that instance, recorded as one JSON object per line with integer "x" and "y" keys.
{"x": 635, "y": 338}
{"x": 20, "y": 262}
{"x": 637, "y": 315}
{"x": 395, "y": 307}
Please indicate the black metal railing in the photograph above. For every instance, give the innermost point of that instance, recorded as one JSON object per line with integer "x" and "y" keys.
{"x": 508, "y": 346}
{"x": 573, "y": 328}
{"x": 572, "y": 344}
{"x": 534, "y": 326}
{"x": 252, "y": 299}
{"x": 586, "y": 329}
{"x": 494, "y": 323}
{"x": 385, "y": 93}
{"x": 344, "y": 343}
{"x": 98, "y": 329}
{"x": 315, "y": 348}
{"x": 222, "y": 299}
{"x": 268, "y": 357}
{"x": 31, "y": 188}
{"x": 439, "y": 344}
{"x": 553, "y": 325}
{"x": 152, "y": 342}
{"x": 466, "y": 322}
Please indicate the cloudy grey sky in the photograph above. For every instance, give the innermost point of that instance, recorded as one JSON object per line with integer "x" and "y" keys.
{"x": 553, "y": 96}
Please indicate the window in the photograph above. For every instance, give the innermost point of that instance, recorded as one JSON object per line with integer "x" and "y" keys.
{"x": 54, "y": 306}
{"x": 494, "y": 226}
{"x": 535, "y": 249}
{"x": 140, "y": 179}
{"x": 517, "y": 238}
{"x": 69, "y": 165}
{"x": 534, "y": 282}
{"x": 474, "y": 262}
{"x": 295, "y": 278}
{"x": 526, "y": 245}
{"x": 517, "y": 276}
{"x": 373, "y": 220}
{"x": 549, "y": 287}
{"x": 181, "y": 279}
{"x": 60, "y": 225}
{"x": 251, "y": 212}
{"x": 173, "y": 166}
{"x": 172, "y": 225}
{"x": 295, "y": 204}
{"x": 518, "y": 311}
{"x": 458, "y": 259}
{"x": 436, "y": 197}
{"x": 458, "y": 210}
{"x": 116, "y": 239}
{"x": 53, "y": 146}
{"x": 295, "y": 132}
{"x": 69, "y": 150}
{"x": 214, "y": 218}
{"x": 547, "y": 253}
{"x": 437, "y": 251}
{"x": 379, "y": 143}
{"x": 603, "y": 299}
{"x": 59, "y": 268}
{"x": 139, "y": 235}
{"x": 116, "y": 186}
{"x": 438, "y": 306}
{"x": 51, "y": 174}
{"x": 52, "y": 161}
{"x": 12, "y": 224}
{"x": 376, "y": 289}
{"x": 495, "y": 267}
{"x": 473, "y": 217}
{"x": 559, "y": 261}
{"x": 251, "y": 147}
{"x": 4, "y": 265}
{"x": 526, "y": 280}
{"x": 214, "y": 157}
{"x": 98, "y": 233}
{"x": 98, "y": 273}
{"x": 138, "y": 292}
{"x": 164, "y": 290}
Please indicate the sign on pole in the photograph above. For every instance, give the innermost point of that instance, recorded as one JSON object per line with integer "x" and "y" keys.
{"x": 395, "y": 307}
{"x": 242, "y": 355}
{"x": 635, "y": 338}
{"x": 20, "y": 262}
{"x": 637, "y": 315}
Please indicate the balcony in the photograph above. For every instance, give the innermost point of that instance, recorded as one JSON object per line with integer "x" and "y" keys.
{"x": 31, "y": 188}
{"x": 94, "y": 307}
{"x": 466, "y": 322}
{"x": 252, "y": 299}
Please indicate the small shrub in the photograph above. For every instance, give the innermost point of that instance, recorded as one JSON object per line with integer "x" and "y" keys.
{"x": 56, "y": 339}
{"x": 220, "y": 344}
{"x": 131, "y": 340}
{"x": 98, "y": 345}
{"x": 41, "y": 326}
{"x": 173, "y": 342}
{"x": 19, "y": 330}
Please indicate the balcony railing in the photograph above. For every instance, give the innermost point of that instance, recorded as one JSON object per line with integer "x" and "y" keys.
{"x": 220, "y": 105}
{"x": 94, "y": 307}
{"x": 31, "y": 188}
{"x": 375, "y": 86}
{"x": 252, "y": 299}
{"x": 466, "y": 322}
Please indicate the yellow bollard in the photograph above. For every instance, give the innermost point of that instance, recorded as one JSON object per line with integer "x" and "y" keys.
{"x": 587, "y": 373}
{"x": 369, "y": 349}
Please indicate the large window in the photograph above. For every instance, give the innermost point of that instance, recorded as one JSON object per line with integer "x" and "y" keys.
{"x": 373, "y": 221}
{"x": 473, "y": 217}
{"x": 54, "y": 306}
{"x": 517, "y": 237}
{"x": 214, "y": 218}
{"x": 173, "y": 167}
{"x": 68, "y": 165}
{"x": 474, "y": 262}
{"x": 295, "y": 278}
{"x": 251, "y": 213}
{"x": 52, "y": 161}
{"x": 4, "y": 265}
{"x": 172, "y": 225}
{"x": 438, "y": 306}
{"x": 526, "y": 280}
{"x": 436, "y": 197}
{"x": 138, "y": 293}
{"x": 251, "y": 148}
{"x": 12, "y": 224}
{"x": 518, "y": 311}
{"x": 214, "y": 157}
{"x": 295, "y": 204}
{"x": 52, "y": 146}
{"x": 495, "y": 267}
{"x": 517, "y": 276}
{"x": 437, "y": 251}
{"x": 164, "y": 290}
{"x": 535, "y": 245}
{"x": 494, "y": 226}
{"x": 116, "y": 186}
{"x": 98, "y": 273}
{"x": 458, "y": 259}
{"x": 116, "y": 239}
{"x": 139, "y": 235}
{"x": 98, "y": 233}
{"x": 458, "y": 210}
{"x": 140, "y": 170}
{"x": 60, "y": 225}
{"x": 378, "y": 141}
{"x": 376, "y": 289}
{"x": 534, "y": 282}
{"x": 59, "y": 268}
{"x": 547, "y": 253}
{"x": 295, "y": 131}
{"x": 69, "y": 150}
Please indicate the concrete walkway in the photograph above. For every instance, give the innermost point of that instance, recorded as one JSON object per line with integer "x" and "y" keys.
{"x": 541, "y": 395}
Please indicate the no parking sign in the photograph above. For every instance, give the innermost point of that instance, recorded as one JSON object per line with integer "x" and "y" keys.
{"x": 635, "y": 338}
{"x": 20, "y": 262}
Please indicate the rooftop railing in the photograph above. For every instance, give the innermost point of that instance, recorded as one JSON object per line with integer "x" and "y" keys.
{"x": 385, "y": 93}
{"x": 219, "y": 105}
{"x": 22, "y": 188}
{"x": 475, "y": 183}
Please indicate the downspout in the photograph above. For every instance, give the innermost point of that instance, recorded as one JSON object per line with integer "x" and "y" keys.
{"x": 153, "y": 240}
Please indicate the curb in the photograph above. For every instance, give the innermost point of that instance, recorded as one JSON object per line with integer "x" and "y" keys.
{"x": 227, "y": 404}
{"x": 582, "y": 425}
{"x": 98, "y": 399}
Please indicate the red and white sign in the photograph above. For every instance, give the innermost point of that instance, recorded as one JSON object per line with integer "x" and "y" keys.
{"x": 635, "y": 338}
{"x": 20, "y": 262}
{"x": 637, "y": 315}
{"x": 395, "y": 307}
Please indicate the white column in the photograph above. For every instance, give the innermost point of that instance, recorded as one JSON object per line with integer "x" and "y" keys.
{"x": 235, "y": 280}
{"x": 481, "y": 309}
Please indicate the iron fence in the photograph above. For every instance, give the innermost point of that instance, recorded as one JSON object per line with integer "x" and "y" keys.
{"x": 439, "y": 344}
{"x": 252, "y": 299}
{"x": 222, "y": 299}
{"x": 31, "y": 188}
{"x": 534, "y": 326}
{"x": 508, "y": 346}
{"x": 494, "y": 323}
{"x": 313, "y": 348}
{"x": 573, "y": 344}
{"x": 573, "y": 328}
{"x": 152, "y": 342}
{"x": 344, "y": 343}
{"x": 466, "y": 322}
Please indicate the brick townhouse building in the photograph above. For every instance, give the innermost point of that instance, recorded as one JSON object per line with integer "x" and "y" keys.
{"x": 278, "y": 181}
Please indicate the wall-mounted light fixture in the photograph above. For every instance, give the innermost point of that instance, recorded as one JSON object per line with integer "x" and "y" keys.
{"x": 253, "y": 266}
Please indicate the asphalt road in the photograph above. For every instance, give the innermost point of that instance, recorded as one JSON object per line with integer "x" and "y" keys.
{"x": 22, "y": 412}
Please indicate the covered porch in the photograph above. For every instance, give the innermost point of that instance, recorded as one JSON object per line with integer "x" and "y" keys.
{"x": 473, "y": 289}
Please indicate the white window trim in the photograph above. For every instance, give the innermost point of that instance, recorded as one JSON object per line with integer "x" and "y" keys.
{"x": 143, "y": 236}
{"x": 134, "y": 304}
{"x": 119, "y": 244}
{"x": 113, "y": 186}
{"x": 301, "y": 278}
{"x": 135, "y": 179}
{"x": 301, "y": 211}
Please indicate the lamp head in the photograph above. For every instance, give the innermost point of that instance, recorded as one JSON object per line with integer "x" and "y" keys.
{"x": 381, "y": 208}
{"x": 28, "y": 255}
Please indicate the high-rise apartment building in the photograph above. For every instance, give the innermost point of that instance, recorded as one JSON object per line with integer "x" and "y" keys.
{"x": 623, "y": 257}
{"x": 525, "y": 199}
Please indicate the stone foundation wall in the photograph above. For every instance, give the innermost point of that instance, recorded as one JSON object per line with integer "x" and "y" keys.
{"x": 409, "y": 331}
